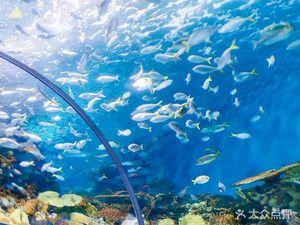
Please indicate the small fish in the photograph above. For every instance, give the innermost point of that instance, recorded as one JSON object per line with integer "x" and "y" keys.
{"x": 166, "y": 58}
{"x": 241, "y": 135}
{"x": 271, "y": 61}
{"x": 205, "y": 69}
{"x": 294, "y": 45}
{"x": 144, "y": 126}
{"x": 233, "y": 92}
{"x": 183, "y": 192}
{"x": 225, "y": 59}
{"x": 210, "y": 157}
{"x": 9, "y": 143}
{"x": 125, "y": 133}
{"x": 159, "y": 118}
{"x": 191, "y": 124}
{"x": 205, "y": 138}
{"x": 236, "y": 102}
{"x": 188, "y": 78}
{"x": 146, "y": 107}
{"x": 206, "y": 83}
{"x": 58, "y": 177}
{"x": 151, "y": 49}
{"x": 198, "y": 59}
{"x": 215, "y": 128}
{"x": 135, "y": 147}
{"x": 113, "y": 144}
{"x": 27, "y": 164}
{"x": 162, "y": 85}
{"x": 107, "y": 78}
{"x": 235, "y": 24}
{"x": 203, "y": 179}
{"x": 221, "y": 187}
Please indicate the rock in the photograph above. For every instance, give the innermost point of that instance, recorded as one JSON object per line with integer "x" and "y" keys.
{"x": 30, "y": 207}
{"x": 166, "y": 221}
{"x": 191, "y": 219}
{"x": 80, "y": 218}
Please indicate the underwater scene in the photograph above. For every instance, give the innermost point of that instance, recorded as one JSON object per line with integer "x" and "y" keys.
{"x": 175, "y": 112}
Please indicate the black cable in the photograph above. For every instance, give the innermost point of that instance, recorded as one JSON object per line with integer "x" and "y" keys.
{"x": 90, "y": 123}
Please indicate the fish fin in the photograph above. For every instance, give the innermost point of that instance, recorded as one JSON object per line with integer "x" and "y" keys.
{"x": 233, "y": 45}
{"x": 208, "y": 60}
{"x": 194, "y": 182}
{"x": 232, "y": 135}
{"x": 198, "y": 126}
{"x": 255, "y": 44}
{"x": 60, "y": 169}
{"x": 150, "y": 129}
{"x": 142, "y": 147}
{"x": 187, "y": 46}
{"x": 251, "y": 17}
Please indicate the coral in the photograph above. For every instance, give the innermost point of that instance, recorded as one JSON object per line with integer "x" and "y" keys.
{"x": 30, "y": 207}
{"x": 52, "y": 198}
{"x": 166, "y": 221}
{"x": 91, "y": 210}
{"x": 19, "y": 217}
{"x": 191, "y": 219}
{"x": 111, "y": 215}
{"x": 223, "y": 219}
{"x": 80, "y": 218}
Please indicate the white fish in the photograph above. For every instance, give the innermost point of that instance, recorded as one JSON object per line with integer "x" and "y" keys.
{"x": 233, "y": 91}
{"x": 241, "y": 135}
{"x": 58, "y": 177}
{"x": 90, "y": 96}
{"x": 206, "y": 83}
{"x": 203, "y": 179}
{"x": 221, "y": 187}
{"x": 225, "y": 59}
{"x": 113, "y": 144}
{"x": 9, "y": 143}
{"x": 199, "y": 59}
{"x": 100, "y": 179}
{"x": 236, "y": 102}
{"x": 150, "y": 49}
{"x": 82, "y": 143}
{"x": 4, "y": 115}
{"x": 243, "y": 76}
{"x": 146, "y": 107}
{"x": 135, "y": 147}
{"x": 205, "y": 69}
{"x": 107, "y": 78}
{"x": 235, "y": 24}
{"x": 72, "y": 81}
{"x": 65, "y": 146}
{"x": 294, "y": 45}
{"x": 271, "y": 60}
{"x": 213, "y": 89}
{"x": 188, "y": 78}
{"x": 32, "y": 137}
{"x": 144, "y": 126}
{"x": 205, "y": 138}
{"x": 125, "y": 133}
{"x": 27, "y": 164}
{"x": 191, "y": 124}
{"x": 162, "y": 85}
{"x": 143, "y": 116}
{"x": 143, "y": 83}
{"x": 159, "y": 118}
{"x": 166, "y": 58}
{"x": 180, "y": 96}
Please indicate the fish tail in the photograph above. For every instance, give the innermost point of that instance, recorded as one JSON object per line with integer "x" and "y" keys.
{"x": 251, "y": 17}
{"x": 233, "y": 45}
{"x": 255, "y": 44}
{"x": 194, "y": 182}
{"x": 198, "y": 125}
{"x": 254, "y": 72}
{"x": 150, "y": 129}
{"x": 232, "y": 135}
{"x": 187, "y": 46}
{"x": 60, "y": 169}
{"x": 208, "y": 60}
{"x": 32, "y": 163}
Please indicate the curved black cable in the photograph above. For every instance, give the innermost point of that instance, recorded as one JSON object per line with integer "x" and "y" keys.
{"x": 90, "y": 123}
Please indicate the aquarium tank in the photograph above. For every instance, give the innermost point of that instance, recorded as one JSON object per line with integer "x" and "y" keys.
{"x": 174, "y": 112}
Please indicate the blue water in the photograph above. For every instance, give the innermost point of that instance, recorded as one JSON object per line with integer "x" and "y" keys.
{"x": 166, "y": 163}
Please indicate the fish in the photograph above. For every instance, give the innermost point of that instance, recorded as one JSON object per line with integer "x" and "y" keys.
{"x": 271, "y": 61}
{"x": 215, "y": 128}
{"x": 113, "y": 144}
{"x": 221, "y": 187}
{"x": 206, "y": 83}
{"x": 294, "y": 45}
{"x": 180, "y": 96}
{"x": 210, "y": 157}
{"x": 273, "y": 33}
{"x": 233, "y": 91}
{"x": 91, "y": 95}
{"x": 203, "y": 179}
{"x": 199, "y": 35}
{"x": 27, "y": 164}
{"x": 236, "y": 102}
{"x": 205, "y": 138}
{"x": 235, "y": 24}
{"x": 72, "y": 81}
{"x": 65, "y": 146}
{"x": 4, "y": 115}
{"x": 151, "y": 49}
{"x": 146, "y": 107}
{"x": 241, "y": 135}
{"x": 188, "y": 78}
{"x": 180, "y": 133}
{"x": 191, "y": 124}
{"x": 125, "y": 133}
{"x": 135, "y": 147}
{"x": 243, "y": 76}
{"x": 166, "y": 58}
{"x": 9, "y": 143}
{"x": 143, "y": 116}
{"x": 205, "y": 69}
{"x": 225, "y": 59}
{"x": 100, "y": 179}
{"x": 159, "y": 118}
{"x": 82, "y": 143}
{"x": 58, "y": 177}
{"x": 198, "y": 59}
{"x": 144, "y": 126}
{"x": 107, "y": 78}
{"x": 162, "y": 85}
{"x": 183, "y": 192}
